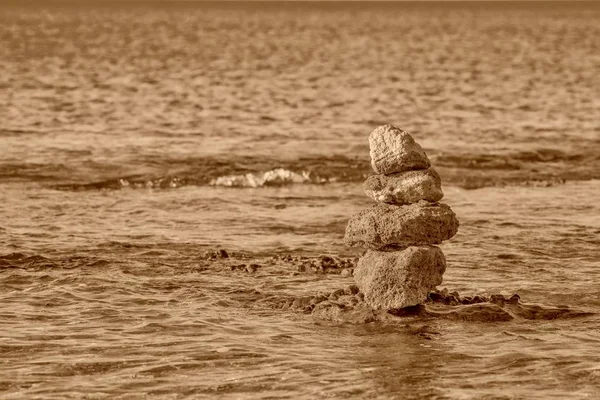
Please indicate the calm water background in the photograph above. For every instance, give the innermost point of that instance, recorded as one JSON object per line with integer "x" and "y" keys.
{"x": 122, "y": 128}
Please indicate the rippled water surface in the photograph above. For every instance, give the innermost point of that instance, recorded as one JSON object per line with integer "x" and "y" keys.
{"x": 135, "y": 140}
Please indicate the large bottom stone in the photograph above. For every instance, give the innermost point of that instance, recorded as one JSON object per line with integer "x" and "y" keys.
{"x": 397, "y": 279}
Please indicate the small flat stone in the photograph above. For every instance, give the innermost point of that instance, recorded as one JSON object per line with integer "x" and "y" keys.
{"x": 394, "y": 150}
{"x": 405, "y": 187}
{"x": 384, "y": 225}
{"x": 398, "y": 279}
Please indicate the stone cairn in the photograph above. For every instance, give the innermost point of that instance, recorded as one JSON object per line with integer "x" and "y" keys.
{"x": 401, "y": 265}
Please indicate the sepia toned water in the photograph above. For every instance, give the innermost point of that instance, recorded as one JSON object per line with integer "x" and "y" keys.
{"x": 136, "y": 139}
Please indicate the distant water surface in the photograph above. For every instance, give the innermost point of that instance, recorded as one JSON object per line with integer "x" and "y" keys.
{"x": 133, "y": 138}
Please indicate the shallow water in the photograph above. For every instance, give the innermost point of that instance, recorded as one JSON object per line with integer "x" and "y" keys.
{"x": 123, "y": 126}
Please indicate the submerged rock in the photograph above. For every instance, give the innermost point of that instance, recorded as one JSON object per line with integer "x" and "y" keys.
{"x": 415, "y": 224}
{"x": 327, "y": 265}
{"x": 214, "y": 254}
{"x": 394, "y": 150}
{"x": 361, "y": 313}
{"x": 536, "y": 311}
{"x": 391, "y": 280}
{"x": 480, "y": 312}
{"x": 352, "y": 308}
{"x": 405, "y": 187}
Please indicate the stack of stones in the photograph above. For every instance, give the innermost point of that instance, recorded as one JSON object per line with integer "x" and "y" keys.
{"x": 401, "y": 265}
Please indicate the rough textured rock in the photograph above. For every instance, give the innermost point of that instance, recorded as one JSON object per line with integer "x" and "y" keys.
{"x": 415, "y": 224}
{"x": 394, "y": 150}
{"x": 399, "y": 279}
{"x": 405, "y": 187}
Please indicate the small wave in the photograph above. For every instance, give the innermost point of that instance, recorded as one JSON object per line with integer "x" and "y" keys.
{"x": 274, "y": 177}
{"x": 166, "y": 182}
{"x": 536, "y": 167}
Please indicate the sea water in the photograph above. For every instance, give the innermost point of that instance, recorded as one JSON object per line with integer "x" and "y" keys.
{"x": 135, "y": 138}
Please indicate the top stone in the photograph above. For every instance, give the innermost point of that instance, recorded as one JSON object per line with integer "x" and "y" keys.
{"x": 394, "y": 150}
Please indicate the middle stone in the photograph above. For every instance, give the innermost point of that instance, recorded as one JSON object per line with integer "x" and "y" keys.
{"x": 383, "y": 225}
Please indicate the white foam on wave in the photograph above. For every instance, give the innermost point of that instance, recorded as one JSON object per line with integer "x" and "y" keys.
{"x": 274, "y": 177}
